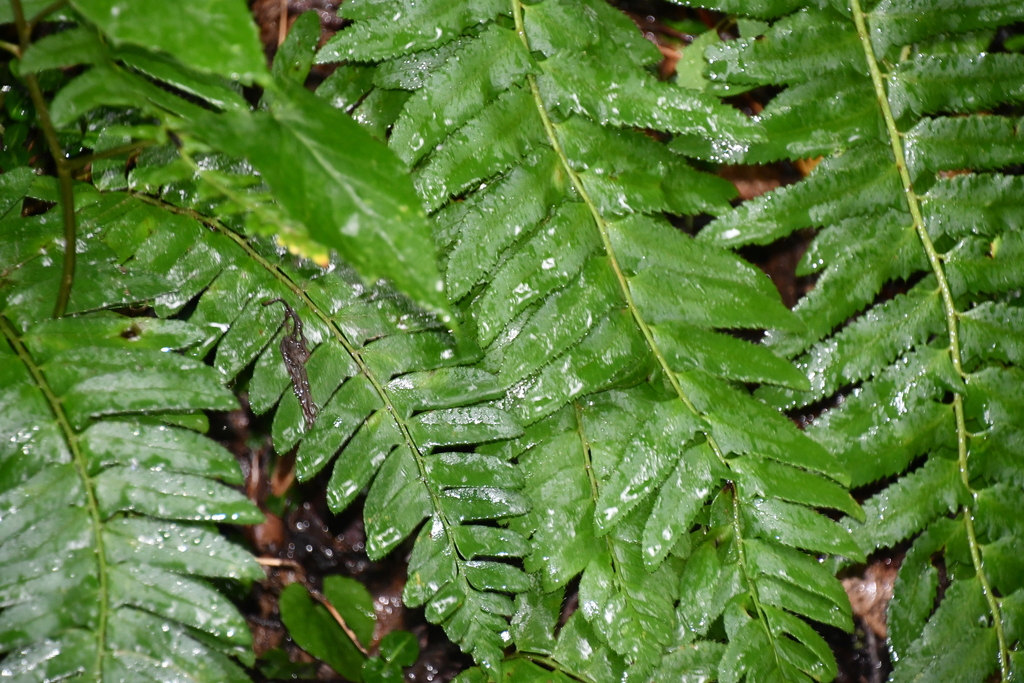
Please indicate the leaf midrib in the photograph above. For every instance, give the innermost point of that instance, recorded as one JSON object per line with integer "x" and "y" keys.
{"x": 952, "y": 322}
{"x": 353, "y": 352}
{"x": 602, "y": 227}
{"x": 95, "y": 519}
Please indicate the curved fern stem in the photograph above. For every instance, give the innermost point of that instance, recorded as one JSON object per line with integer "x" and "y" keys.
{"x": 67, "y": 195}
{"x": 349, "y": 347}
{"x": 549, "y": 663}
{"x": 90, "y": 495}
{"x": 45, "y": 12}
{"x": 602, "y": 227}
{"x": 952, "y": 321}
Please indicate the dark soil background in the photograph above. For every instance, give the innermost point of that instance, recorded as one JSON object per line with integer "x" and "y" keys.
{"x": 302, "y": 541}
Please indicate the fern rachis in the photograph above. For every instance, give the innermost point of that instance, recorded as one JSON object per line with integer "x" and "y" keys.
{"x": 914, "y": 391}
{"x": 582, "y": 242}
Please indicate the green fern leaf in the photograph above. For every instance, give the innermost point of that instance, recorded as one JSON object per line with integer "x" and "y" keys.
{"x": 953, "y": 645}
{"x": 923, "y": 86}
{"x": 389, "y": 28}
{"x": 695, "y": 661}
{"x": 382, "y": 377}
{"x": 866, "y": 346}
{"x": 913, "y": 370}
{"x": 910, "y": 504}
{"x": 909, "y": 22}
{"x": 1001, "y": 531}
{"x": 108, "y": 509}
{"x": 996, "y": 398}
{"x": 917, "y": 586}
{"x": 548, "y": 206}
{"x": 370, "y": 373}
{"x": 986, "y": 204}
{"x": 624, "y": 585}
{"x": 443, "y": 104}
{"x": 929, "y": 150}
{"x": 896, "y": 437}
{"x": 234, "y": 53}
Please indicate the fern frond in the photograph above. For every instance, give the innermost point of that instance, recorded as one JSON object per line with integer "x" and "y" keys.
{"x": 385, "y": 379}
{"x": 390, "y": 402}
{"x": 549, "y": 208}
{"x": 933, "y": 368}
{"x": 107, "y": 506}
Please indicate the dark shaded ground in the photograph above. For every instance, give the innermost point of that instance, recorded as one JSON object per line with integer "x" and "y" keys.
{"x": 302, "y": 541}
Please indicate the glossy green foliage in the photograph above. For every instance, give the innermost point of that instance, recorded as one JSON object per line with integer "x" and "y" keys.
{"x": 561, "y": 402}
{"x": 109, "y": 492}
{"x": 608, "y": 332}
{"x": 333, "y": 186}
{"x": 379, "y": 377}
{"x": 317, "y": 631}
{"x": 915, "y": 319}
{"x": 382, "y": 390}
{"x": 214, "y": 36}
{"x": 342, "y": 366}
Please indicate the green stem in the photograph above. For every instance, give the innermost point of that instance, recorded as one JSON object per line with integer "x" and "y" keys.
{"x": 45, "y": 12}
{"x": 67, "y": 277}
{"x": 602, "y": 227}
{"x": 11, "y": 47}
{"x": 67, "y": 193}
{"x": 952, "y": 321}
{"x": 549, "y": 663}
{"x": 78, "y": 458}
{"x": 83, "y": 161}
{"x": 349, "y": 347}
